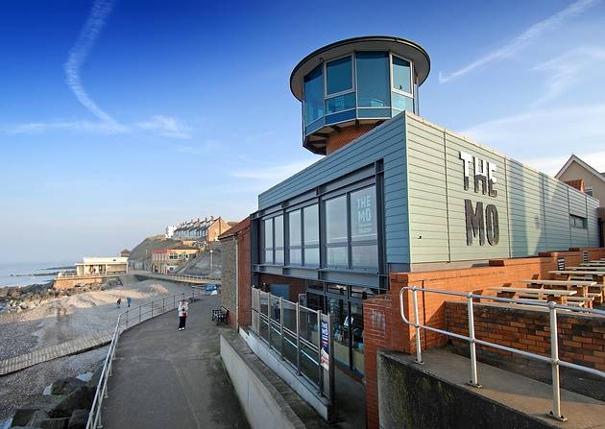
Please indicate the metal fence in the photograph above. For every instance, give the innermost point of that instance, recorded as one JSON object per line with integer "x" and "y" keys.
{"x": 129, "y": 318}
{"x": 301, "y": 336}
{"x": 553, "y": 360}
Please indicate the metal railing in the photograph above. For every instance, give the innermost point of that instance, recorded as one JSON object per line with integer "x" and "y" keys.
{"x": 127, "y": 319}
{"x": 177, "y": 277}
{"x": 295, "y": 333}
{"x": 553, "y": 360}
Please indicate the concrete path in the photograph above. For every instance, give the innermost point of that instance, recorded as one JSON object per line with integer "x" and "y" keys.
{"x": 44, "y": 354}
{"x": 163, "y": 378}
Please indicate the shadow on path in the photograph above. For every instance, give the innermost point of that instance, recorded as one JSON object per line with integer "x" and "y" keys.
{"x": 164, "y": 378}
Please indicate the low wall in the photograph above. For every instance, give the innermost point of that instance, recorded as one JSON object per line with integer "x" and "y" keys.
{"x": 385, "y": 330}
{"x": 71, "y": 282}
{"x": 412, "y": 397}
{"x": 581, "y": 337}
{"x": 262, "y": 403}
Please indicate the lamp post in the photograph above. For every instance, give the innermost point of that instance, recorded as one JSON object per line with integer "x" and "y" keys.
{"x": 211, "y": 251}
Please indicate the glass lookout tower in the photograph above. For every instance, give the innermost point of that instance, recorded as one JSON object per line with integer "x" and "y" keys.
{"x": 350, "y": 86}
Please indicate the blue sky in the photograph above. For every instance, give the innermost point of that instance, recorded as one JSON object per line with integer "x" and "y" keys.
{"x": 120, "y": 117}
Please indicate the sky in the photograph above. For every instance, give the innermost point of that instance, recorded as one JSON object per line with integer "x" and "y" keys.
{"x": 119, "y": 117}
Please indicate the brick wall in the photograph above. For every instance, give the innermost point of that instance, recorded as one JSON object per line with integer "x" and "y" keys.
{"x": 244, "y": 274}
{"x": 581, "y": 337}
{"x": 228, "y": 277}
{"x": 297, "y": 286}
{"x": 398, "y": 336}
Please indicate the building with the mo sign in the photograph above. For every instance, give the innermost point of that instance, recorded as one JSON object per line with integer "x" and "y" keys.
{"x": 394, "y": 194}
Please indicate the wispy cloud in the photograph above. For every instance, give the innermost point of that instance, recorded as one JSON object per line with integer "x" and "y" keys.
{"x": 273, "y": 173}
{"x": 522, "y": 40}
{"x": 552, "y": 165}
{"x": 557, "y": 130}
{"x": 565, "y": 71}
{"x": 86, "y": 40}
{"x": 166, "y": 126}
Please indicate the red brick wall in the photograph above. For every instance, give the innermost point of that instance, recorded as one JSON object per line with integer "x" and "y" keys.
{"x": 346, "y": 136}
{"x": 581, "y": 338}
{"x": 297, "y": 286}
{"x": 431, "y": 307}
{"x": 244, "y": 276}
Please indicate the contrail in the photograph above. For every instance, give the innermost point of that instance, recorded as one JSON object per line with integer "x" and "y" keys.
{"x": 78, "y": 53}
{"x": 523, "y": 39}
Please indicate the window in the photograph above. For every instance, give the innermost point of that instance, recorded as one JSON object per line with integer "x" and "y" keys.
{"x": 268, "y": 241}
{"x": 313, "y": 104}
{"x": 295, "y": 237}
{"x": 372, "y": 79}
{"x": 364, "y": 244}
{"x": 588, "y": 191}
{"x": 578, "y": 221}
{"x": 278, "y": 239}
{"x": 311, "y": 235}
{"x": 339, "y": 76}
{"x": 340, "y": 103}
{"x": 402, "y": 102}
{"x": 336, "y": 232}
{"x": 402, "y": 75}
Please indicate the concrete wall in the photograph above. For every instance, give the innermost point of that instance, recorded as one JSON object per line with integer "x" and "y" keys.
{"x": 260, "y": 401}
{"x": 70, "y": 282}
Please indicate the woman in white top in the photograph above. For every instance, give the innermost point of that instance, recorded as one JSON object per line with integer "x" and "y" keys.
{"x": 183, "y": 308}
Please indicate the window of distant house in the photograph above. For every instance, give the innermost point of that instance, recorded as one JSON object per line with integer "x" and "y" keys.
{"x": 578, "y": 221}
{"x": 311, "y": 235}
{"x": 295, "y": 237}
{"x": 588, "y": 191}
{"x": 313, "y": 104}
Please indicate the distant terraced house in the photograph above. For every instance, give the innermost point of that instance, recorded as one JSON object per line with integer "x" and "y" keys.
{"x": 203, "y": 230}
{"x": 166, "y": 261}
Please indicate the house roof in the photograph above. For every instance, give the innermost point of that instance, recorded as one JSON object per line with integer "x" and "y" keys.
{"x": 235, "y": 229}
{"x": 581, "y": 163}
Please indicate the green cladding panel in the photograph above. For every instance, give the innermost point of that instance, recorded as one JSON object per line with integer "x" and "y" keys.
{"x": 532, "y": 210}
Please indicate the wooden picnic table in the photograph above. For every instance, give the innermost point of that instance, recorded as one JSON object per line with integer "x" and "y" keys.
{"x": 588, "y": 268}
{"x": 598, "y": 276}
{"x": 559, "y": 296}
{"x": 581, "y": 286}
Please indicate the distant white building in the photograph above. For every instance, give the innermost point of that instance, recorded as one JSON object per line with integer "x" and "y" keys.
{"x": 170, "y": 231}
{"x": 102, "y": 266}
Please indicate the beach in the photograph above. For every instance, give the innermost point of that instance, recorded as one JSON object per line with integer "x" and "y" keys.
{"x": 62, "y": 319}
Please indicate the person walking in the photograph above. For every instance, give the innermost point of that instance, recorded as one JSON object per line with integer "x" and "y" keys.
{"x": 129, "y": 301}
{"x": 119, "y": 301}
{"x": 183, "y": 309}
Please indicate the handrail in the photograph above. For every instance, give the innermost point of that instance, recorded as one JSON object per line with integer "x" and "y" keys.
{"x": 123, "y": 323}
{"x": 554, "y": 360}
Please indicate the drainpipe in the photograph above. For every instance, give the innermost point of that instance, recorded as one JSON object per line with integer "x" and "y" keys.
{"x": 236, "y": 283}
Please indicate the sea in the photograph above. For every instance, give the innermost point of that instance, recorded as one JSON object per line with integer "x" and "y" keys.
{"x": 28, "y": 273}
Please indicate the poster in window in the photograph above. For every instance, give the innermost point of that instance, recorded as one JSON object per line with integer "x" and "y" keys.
{"x": 363, "y": 214}
{"x": 325, "y": 345}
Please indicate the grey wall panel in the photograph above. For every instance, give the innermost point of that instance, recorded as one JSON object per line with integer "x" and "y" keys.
{"x": 593, "y": 225}
{"x": 427, "y": 193}
{"x": 526, "y": 210}
{"x": 577, "y": 203}
{"x": 386, "y": 143}
{"x": 556, "y": 214}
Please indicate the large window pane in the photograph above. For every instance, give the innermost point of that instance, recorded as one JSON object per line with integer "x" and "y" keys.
{"x": 373, "y": 79}
{"x": 313, "y": 95}
{"x": 402, "y": 75}
{"x": 336, "y": 232}
{"x": 363, "y": 215}
{"x": 402, "y": 102}
{"x": 340, "y": 102}
{"x": 364, "y": 247}
{"x": 295, "y": 237}
{"x": 268, "y": 240}
{"x": 311, "y": 235}
{"x": 278, "y": 223}
{"x": 339, "y": 75}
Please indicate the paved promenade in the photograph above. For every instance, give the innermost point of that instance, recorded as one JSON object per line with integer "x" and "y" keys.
{"x": 163, "y": 378}
{"x": 44, "y": 354}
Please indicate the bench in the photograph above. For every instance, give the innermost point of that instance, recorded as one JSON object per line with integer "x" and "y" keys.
{"x": 220, "y": 315}
{"x": 559, "y": 296}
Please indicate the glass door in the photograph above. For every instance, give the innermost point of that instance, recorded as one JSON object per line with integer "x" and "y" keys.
{"x": 338, "y": 309}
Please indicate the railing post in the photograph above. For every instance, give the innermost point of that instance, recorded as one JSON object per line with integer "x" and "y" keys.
{"x": 151, "y": 308}
{"x": 554, "y": 361}
{"x": 163, "y": 305}
{"x": 417, "y": 325}
{"x": 471, "y": 334}
{"x": 298, "y": 338}
{"x": 281, "y": 326}
{"x": 321, "y": 371}
{"x": 139, "y": 314}
{"x": 269, "y": 319}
